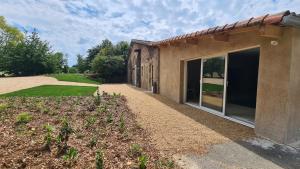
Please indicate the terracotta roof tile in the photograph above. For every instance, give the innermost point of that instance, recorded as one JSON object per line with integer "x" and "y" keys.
{"x": 274, "y": 19}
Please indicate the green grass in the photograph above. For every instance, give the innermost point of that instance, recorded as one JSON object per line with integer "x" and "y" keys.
{"x": 212, "y": 87}
{"x": 54, "y": 90}
{"x": 72, "y": 77}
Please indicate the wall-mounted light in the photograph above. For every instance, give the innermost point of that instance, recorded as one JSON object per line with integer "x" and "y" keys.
{"x": 274, "y": 43}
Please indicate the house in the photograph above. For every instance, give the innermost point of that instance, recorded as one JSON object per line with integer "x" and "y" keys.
{"x": 143, "y": 65}
{"x": 247, "y": 72}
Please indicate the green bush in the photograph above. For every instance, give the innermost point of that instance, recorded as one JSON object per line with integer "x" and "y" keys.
{"x": 99, "y": 160}
{"x": 110, "y": 68}
{"x": 48, "y": 137}
{"x": 93, "y": 142}
{"x": 165, "y": 163}
{"x": 109, "y": 118}
{"x": 73, "y": 70}
{"x": 23, "y": 118}
{"x": 122, "y": 123}
{"x": 90, "y": 121}
{"x": 3, "y": 107}
{"x": 143, "y": 159}
{"x": 71, "y": 154}
{"x": 30, "y": 56}
{"x": 135, "y": 150}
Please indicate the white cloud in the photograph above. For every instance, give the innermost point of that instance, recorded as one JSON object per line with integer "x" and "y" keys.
{"x": 73, "y": 26}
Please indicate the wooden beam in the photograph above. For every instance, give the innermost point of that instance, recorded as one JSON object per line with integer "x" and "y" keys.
{"x": 271, "y": 31}
{"x": 164, "y": 45}
{"x": 224, "y": 37}
{"x": 176, "y": 43}
{"x": 192, "y": 41}
{"x": 243, "y": 30}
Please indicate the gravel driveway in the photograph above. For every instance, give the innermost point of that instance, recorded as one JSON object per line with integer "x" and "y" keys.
{"x": 200, "y": 140}
{"x": 10, "y": 84}
{"x": 176, "y": 127}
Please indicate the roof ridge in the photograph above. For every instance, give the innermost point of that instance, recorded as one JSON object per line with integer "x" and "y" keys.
{"x": 271, "y": 19}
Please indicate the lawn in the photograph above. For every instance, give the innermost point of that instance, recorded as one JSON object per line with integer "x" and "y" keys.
{"x": 212, "y": 87}
{"x": 54, "y": 90}
{"x": 70, "y": 77}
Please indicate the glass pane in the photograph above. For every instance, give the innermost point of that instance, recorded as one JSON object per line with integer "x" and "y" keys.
{"x": 213, "y": 83}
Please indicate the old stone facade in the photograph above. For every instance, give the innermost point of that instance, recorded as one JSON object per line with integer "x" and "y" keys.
{"x": 143, "y": 65}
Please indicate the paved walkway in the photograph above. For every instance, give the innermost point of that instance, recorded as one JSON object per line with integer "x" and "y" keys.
{"x": 201, "y": 140}
{"x": 11, "y": 84}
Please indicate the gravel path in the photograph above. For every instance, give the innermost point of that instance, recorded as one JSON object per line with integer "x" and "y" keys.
{"x": 11, "y": 84}
{"x": 177, "y": 128}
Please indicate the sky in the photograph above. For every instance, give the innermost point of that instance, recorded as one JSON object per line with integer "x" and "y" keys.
{"x": 74, "y": 26}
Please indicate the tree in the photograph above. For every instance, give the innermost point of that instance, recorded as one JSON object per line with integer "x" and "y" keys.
{"x": 111, "y": 69}
{"x": 9, "y": 34}
{"x": 82, "y": 64}
{"x": 106, "y": 48}
{"x": 29, "y": 57}
{"x": 27, "y": 54}
{"x": 56, "y": 63}
{"x": 9, "y": 38}
{"x": 32, "y": 56}
{"x": 106, "y": 60}
{"x": 73, "y": 69}
{"x": 121, "y": 48}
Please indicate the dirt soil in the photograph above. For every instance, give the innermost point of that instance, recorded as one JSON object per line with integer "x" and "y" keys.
{"x": 177, "y": 128}
{"x": 10, "y": 84}
{"x": 109, "y": 127}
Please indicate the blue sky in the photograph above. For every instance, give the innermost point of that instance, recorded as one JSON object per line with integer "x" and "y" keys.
{"x": 73, "y": 26}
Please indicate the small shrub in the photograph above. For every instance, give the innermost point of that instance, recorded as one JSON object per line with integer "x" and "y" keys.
{"x": 115, "y": 95}
{"x": 102, "y": 109}
{"x": 23, "y": 118}
{"x": 42, "y": 108}
{"x": 135, "y": 150}
{"x": 170, "y": 164}
{"x": 71, "y": 154}
{"x": 93, "y": 142}
{"x": 109, "y": 118}
{"x": 48, "y": 137}
{"x": 90, "y": 121}
{"x": 99, "y": 160}
{"x": 3, "y": 107}
{"x": 65, "y": 130}
{"x": 165, "y": 163}
{"x": 122, "y": 123}
{"x": 63, "y": 136}
{"x": 98, "y": 98}
{"x": 143, "y": 159}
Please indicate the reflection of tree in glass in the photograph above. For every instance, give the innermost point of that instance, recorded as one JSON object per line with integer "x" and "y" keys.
{"x": 214, "y": 66}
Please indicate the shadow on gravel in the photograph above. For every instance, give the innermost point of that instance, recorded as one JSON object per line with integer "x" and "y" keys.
{"x": 281, "y": 155}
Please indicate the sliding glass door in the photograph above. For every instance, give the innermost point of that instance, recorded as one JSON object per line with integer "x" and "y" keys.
{"x": 213, "y": 71}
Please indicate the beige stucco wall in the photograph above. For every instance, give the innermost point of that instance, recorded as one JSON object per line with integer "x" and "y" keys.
{"x": 293, "y": 133}
{"x": 273, "y": 110}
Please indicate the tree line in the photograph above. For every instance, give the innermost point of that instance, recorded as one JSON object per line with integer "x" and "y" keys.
{"x": 23, "y": 54}
{"x": 106, "y": 61}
